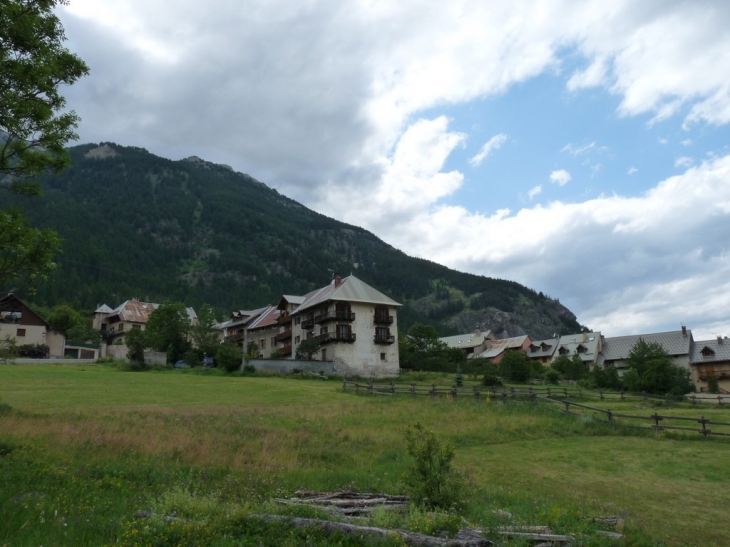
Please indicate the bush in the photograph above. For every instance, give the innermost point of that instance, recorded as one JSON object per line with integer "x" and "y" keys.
{"x": 491, "y": 380}
{"x": 552, "y": 376}
{"x": 229, "y": 357}
{"x": 712, "y": 385}
{"x": 192, "y": 358}
{"x": 515, "y": 365}
{"x": 430, "y": 480}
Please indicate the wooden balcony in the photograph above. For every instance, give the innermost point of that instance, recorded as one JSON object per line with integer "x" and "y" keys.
{"x": 282, "y": 336}
{"x": 328, "y": 337}
{"x": 719, "y": 374}
{"x": 334, "y": 316}
{"x": 235, "y": 337}
{"x": 384, "y": 339}
{"x": 383, "y": 319}
{"x": 286, "y": 350}
{"x": 307, "y": 323}
{"x": 284, "y": 320}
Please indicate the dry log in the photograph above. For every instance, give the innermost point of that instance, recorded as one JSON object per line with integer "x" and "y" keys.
{"x": 611, "y": 535}
{"x": 346, "y": 503}
{"x": 409, "y": 538}
{"x": 527, "y": 529}
{"x": 551, "y": 538}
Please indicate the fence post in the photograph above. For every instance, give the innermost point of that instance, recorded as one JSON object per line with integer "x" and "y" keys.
{"x": 549, "y": 396}
{"x": 370, "y": 387}
{"x": 504, "y": 397}
{"x": 433, "y": 390}
{"x": 694, "y": 399}
{"x": 476, "y": 393}
{"x": 657, "y": 418}
{"x": 344, "y": 385}
{"x": 357, "y": 387}
{"x": 719, "y": 400}
{"x": 704, "y": 431}
{"x": 580, "y": 391}
{"x": 453, "y": 393}
{"x": 413, "y": 389}
{"x": 392, "y": 387}
{"x": 610, "y": 415}
{"x": 567, "y": 406}
{"x": 565, "y": 391}
{"x": 533, "y": 396}
{"x": 622, "y": 394}
{"x": 601, "y": 393}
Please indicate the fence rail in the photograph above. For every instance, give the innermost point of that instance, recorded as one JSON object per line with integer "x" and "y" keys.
{"x": 533, "y": 396}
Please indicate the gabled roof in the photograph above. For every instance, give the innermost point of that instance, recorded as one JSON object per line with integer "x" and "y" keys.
{"x": 12, "y": 307}
{"x": 266, "y": 319}
{"x": 103, "y": 309}
{"x": 591, "y": 342}
{"x": 543, "y": 348}
{"x": 674, "y": 343}
{"x": 351, "y": 289}
{"x": 243, "y": 317}
{"x": 468, "y": 340}
{"x": 136, "y": 311}
{"x": 503, "y": 345}
{"x": 719, "y": 350}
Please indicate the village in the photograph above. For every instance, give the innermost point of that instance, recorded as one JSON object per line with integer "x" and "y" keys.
{"x": 354, "y": 328}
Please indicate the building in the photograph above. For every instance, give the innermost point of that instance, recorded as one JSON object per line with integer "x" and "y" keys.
{"x": 677, "y": 344}
{"x": 500, "y": 347}
{"x": 263, "y": 331}
{"x": 26, "y": 327}
{"x": 542, "y": 350}
{"x": 587, "y": 345}
{"x": 234, "y": 330}
{"x": 113, "y": 324}
{"x": 355, "y": 324}
{"x": 711, "y": 358}
{"x": 471, "y": 343}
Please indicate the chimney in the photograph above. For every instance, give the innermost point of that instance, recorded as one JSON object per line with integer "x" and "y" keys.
{"x": 478, "y": 331}
{"x": 684, "y": 330}
{"x": 338, "y": 279}
{"x": 719, "y": 339}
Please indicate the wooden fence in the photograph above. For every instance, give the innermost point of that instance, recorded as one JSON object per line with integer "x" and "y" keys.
{"x": 562, "y": 403}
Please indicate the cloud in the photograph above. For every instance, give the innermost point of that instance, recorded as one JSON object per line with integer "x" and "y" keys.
{"x": 492, "y": 144}
{"x": 560, "y": 177}
{"x": 534, "y": 191}
{"x": 684, "y": 161}
{"x": 632, "y": 170}
{"x": 574, "y": 150}
{"x": 687, "y": 142}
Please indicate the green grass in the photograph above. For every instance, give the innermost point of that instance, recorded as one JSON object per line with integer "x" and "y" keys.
{"x": 87, "y": 446}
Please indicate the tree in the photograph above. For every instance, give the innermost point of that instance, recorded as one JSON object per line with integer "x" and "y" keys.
{"x": 571, "y": 368}
{"x": 167, "y": 330}
{"x": 63, "y": 318}
{"x": 229, "y": 357}
{"x": 307, "y": 349}
{"x": 33, "y": 126}
{"x": 515, "y": 366}
{"x": 421, "y": 349}
{"x": 33, "y": 64}
{"x": 135, "y": 340}
{"x": 654, "y": 372}
{"x": 205, "y": 335}
{"x": 430, "y": 479}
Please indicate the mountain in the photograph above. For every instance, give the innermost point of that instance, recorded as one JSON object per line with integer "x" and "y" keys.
{"x": 135, "y": 224}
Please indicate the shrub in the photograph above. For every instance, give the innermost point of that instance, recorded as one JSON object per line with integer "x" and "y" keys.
{"x": 552, "y": 376}
{"x": 192, "y": 358}
{"x": 515, "y": 365}
{"x": 430, "y": 480}
{"x": 491, "y": 380}
{"x": 712, "y": 385}
{"x": 229, "y": 357}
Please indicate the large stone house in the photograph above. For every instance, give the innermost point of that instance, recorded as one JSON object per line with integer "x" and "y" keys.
{"x": 22, "y": 324}
{"x": 113, "y": 324}
{"x": 501, "y": 347}
{"x": 471, "y": 344}
{"x": 586, "y": 345}
{"x": 355, "y": 324}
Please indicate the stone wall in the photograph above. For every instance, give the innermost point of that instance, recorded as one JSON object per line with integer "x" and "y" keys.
{"x": 286, "y": 366}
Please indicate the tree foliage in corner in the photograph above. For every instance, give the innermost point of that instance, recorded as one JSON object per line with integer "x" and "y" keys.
{"x": 651, "y": 370}
{"x": 167, "y": 330}
{"x": 34, "y": 129}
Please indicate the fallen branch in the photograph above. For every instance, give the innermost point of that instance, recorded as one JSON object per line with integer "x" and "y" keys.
{"x": 409, "y": 538}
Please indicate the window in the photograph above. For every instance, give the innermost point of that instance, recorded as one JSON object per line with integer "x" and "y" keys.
{"x": 297, "y": 339}
{"x": 382, "y": 357}
{"x": 273, "y": 341}
{"x": 323, "y": 330}
{"x": 262, "y": 343}
{"x": 324, "y": 355}
{"x": 136, "y": 327}
{"x": 121, "y": 327}
{"x": 343, "y": 332}
{"x": 21, "y": 332}
{"x": 297, "y": 320}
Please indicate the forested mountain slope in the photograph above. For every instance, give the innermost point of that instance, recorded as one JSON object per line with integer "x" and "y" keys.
{"x": 135, "y": 224}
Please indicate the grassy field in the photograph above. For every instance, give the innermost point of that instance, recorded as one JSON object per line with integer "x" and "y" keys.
{"x": 82, "y": 448}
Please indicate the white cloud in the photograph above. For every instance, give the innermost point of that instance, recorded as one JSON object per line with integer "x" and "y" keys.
{"x": 684, "y": 161}
{"x": 632, "y": 170}
{"x": 492, "y": 144}
{"x": 560, "y": 177}
{"x": 663, "y": 141}
{"x": 687, "y": 142}
{"x": 574, "y": 150}
{"x": 534, "y": 191}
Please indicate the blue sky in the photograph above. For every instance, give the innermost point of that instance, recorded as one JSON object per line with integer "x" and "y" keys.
{"x": 607, "y": 182}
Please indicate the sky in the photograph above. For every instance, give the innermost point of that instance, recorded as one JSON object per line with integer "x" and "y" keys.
{"x": 581, "y": 148}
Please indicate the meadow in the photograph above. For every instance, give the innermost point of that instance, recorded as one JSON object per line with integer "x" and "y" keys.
{"x": 83, "y": 448}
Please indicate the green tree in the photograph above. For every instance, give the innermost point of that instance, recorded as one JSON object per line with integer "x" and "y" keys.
{"x": 63, "y": 318}
{"x": 167, "y": 330}
{"x": 205, "y": 335}
{"x": 229, "y": 357}
{"x": 430, "y": 479}
{"x": 571, "y": 368}
{"x": 713, "y": 386}
{"x": 421, "y": 349}
{"x": 307, "y": 349}
{"x": 515, "y": 366}
{"x": 33, "y": 65}
{"x": 654, "y": 371}
{"x": 135, "y": 341}
{"x": 34, "y": 128}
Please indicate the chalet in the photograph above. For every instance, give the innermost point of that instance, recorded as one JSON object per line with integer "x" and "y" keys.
{"x": 711, "y": 358}
{"x": 586, "y": 345}
{"x": 542, "y": 350}
{"x": 234, "y": 330}
{"x": 471, "y": 343}
{"x": 677, "y": 344}
{"x": 22, "y": 324}
{"x": 113, "y": 324}
{"x": 500, "y": 347}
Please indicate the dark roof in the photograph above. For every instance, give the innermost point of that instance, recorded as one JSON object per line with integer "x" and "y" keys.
{"x": 674, "y": 343}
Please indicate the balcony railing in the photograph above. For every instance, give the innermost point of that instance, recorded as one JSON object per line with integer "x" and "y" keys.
{"x": 286, "y": 335}
{"x": 284, "y": 319}
{"x": 383, "y": 319}
{"x": 328, "y": 337}
{"x": 719, "y": 374}
{"x": 308, "y": 323}
{"x": 285, "y": 350}
{"x": 334, "y": 316}
{"x": 384, "y": 339}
